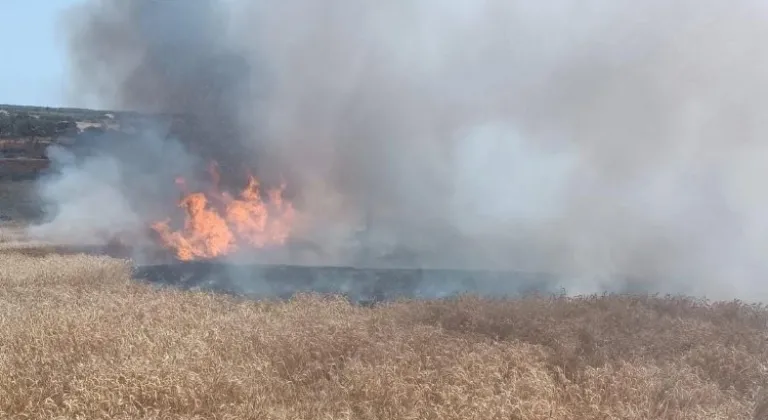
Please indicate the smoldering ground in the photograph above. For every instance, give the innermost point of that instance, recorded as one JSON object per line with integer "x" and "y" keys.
{"x": 590, "y": 138}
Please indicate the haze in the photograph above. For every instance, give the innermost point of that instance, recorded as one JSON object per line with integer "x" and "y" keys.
{"x": 597, "y": 138}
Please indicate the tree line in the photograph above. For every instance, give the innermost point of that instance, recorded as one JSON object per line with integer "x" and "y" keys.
{"x": 31, "y": 121}
{"x": 29, "y": 125}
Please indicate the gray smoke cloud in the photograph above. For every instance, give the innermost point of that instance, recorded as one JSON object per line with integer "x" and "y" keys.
{"x": 593, "y": 138}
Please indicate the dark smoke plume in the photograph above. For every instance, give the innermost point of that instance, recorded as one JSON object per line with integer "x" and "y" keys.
{"x": 170, "y": 58}
{"x": 591, "y": 138}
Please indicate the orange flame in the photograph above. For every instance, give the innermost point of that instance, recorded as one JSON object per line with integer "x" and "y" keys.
{"x": 217, "y": 224}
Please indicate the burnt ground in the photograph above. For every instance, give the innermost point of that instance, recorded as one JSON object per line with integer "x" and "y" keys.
{"x": 361, "y": 285}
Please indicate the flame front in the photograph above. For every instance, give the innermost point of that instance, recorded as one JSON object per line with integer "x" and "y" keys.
{"x": 216, "y": 223}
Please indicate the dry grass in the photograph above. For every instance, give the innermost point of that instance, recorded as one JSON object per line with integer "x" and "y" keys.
{"x": 22, "y": 166}
{"x": 25, "y": 147}
{"x": 78, "y": 339}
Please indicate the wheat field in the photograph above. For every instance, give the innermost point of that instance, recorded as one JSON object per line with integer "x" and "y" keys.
{"x": 80, "y": 339}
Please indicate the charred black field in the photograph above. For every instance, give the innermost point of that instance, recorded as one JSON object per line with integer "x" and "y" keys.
{"x": 360, "y": 285}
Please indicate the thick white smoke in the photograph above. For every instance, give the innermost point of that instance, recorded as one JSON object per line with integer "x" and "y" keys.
{"x": 594, "y": 138}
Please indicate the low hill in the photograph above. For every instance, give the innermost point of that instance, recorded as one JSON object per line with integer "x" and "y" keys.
{"x": 27, "y": 131}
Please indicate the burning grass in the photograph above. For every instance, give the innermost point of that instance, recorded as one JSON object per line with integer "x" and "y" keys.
{"x": 216, "y": 223}
{"x": 79, "y": 339}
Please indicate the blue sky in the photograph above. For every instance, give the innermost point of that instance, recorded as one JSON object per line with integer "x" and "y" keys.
{"x": 33, "y": 64}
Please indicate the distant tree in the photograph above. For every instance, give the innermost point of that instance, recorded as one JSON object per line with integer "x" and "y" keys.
{"x": 22, "y": 127}
{"x": 6, "y": 125}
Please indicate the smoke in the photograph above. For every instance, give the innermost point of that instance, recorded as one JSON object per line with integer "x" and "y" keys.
{"x": 594, "y": 138}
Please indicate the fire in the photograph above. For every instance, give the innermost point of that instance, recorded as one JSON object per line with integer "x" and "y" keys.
{"x": 217, "y": 223}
